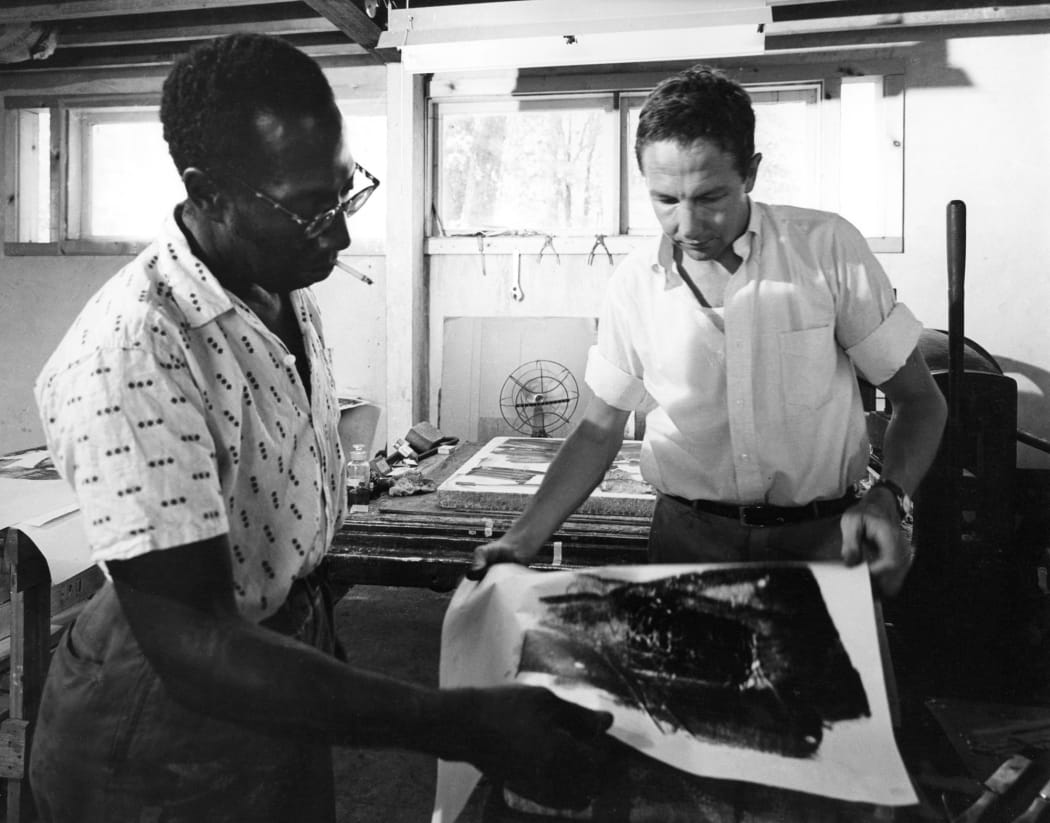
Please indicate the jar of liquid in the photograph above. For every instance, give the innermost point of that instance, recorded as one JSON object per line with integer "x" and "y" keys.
{"x": 358, "y": 477}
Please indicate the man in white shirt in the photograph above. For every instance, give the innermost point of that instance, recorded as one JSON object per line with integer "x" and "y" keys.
{"x": 192, "y": 408}
{"x": 740, "y": 332}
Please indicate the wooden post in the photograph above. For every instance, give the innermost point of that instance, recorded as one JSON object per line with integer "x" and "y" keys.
{"x": 407, "y": 297}
{"x": 25, "y": 578}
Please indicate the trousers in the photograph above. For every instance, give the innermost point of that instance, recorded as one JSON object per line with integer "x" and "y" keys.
{"x": 681, "y": 534}
{"x": 111, "y": 746}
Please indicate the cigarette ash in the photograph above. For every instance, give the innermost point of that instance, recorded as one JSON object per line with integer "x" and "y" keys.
{"x": 738, "y": 656}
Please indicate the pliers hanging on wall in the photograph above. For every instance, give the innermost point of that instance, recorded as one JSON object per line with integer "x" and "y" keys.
{"x": 548, "y": 243}
{"x": 599, "y": 242}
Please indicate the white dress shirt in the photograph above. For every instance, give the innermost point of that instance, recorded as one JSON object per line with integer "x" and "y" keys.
{"x": 755, "y": 401}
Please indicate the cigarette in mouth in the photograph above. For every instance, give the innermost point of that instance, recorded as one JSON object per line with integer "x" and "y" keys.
{"x": 364, "y": 278}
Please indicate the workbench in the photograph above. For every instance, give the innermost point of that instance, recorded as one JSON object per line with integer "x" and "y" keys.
{"x": 411, "y": 541}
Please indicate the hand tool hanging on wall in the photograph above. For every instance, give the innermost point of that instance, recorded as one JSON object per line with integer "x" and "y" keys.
{"x": 599, "y": 243}
{"x": 481, "y": 251}
{"x": 516, "y": 292}
{"x": 548, "y": 243}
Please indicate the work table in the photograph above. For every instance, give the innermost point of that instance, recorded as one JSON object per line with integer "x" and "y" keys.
{"x": 412, "y": 541}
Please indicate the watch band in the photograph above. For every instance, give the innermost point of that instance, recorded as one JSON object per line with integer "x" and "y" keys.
{"x": 904, "y": 506}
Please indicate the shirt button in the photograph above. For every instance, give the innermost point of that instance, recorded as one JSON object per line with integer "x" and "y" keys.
{"x": 289, "y": 360}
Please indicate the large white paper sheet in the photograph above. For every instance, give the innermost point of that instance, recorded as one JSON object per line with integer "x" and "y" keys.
{"x": 39, "y": 503}
{"x": 856, "y": 760}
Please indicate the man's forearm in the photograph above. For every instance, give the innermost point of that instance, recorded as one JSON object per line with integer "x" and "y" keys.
{"x": 911, "y": 441}
{"x": 575, "y": 472}
{"x": 233, "y": 670}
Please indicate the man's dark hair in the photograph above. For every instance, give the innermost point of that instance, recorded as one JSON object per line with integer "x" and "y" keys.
{"x": 699, "y": 103}
{"x": 215, "y": 91}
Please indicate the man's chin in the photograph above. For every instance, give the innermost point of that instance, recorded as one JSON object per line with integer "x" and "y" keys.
{"x": 310, "y": 276}
{"x": 699, "y": 253}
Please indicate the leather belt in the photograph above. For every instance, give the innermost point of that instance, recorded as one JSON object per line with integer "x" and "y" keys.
{"x": 763, "y": 516}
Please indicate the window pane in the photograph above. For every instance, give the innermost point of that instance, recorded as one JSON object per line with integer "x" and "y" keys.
{"x": 640, "y": 216}
{"x": 366, "y": 136}
{"x": 787, "y": 135}
{"x": 543, "y": 166}
{"x": 33, "y": 187}
{"x": 131, "y": 181}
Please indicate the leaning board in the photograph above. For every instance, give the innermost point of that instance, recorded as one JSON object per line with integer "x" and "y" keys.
{"x": 506, "y": 472}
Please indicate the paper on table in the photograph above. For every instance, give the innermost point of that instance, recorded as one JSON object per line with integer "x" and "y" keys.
{"x": 63, "y": 544}
{"x": 857, "y": 760}
{"x": 30, "y": 487}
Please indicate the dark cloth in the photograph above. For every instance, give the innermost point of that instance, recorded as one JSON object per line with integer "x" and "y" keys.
{"x": 681, "y": 534}
{"x": 111, "y": 746}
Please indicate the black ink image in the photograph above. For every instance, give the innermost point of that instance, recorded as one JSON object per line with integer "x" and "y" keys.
{"x": 738, "y": 656}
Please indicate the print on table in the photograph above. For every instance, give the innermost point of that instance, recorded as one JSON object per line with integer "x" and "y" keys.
{"x": 506, "y": 472}
{"x": 736, "y": 656}
{"x": 29, "y": 464}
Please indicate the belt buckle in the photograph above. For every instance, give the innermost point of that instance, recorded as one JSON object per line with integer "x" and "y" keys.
{"x": 744, "y": 515}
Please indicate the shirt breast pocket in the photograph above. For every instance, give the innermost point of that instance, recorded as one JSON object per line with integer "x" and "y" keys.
{"x": 807, "y": 366}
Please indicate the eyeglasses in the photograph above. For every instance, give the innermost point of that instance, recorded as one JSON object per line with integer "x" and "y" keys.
{"x": 314, "y": 227}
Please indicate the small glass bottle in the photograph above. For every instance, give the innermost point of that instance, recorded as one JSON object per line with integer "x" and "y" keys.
{"x": 358, "y": 476}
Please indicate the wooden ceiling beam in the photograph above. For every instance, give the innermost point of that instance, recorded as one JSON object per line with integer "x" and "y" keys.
{"x": 317, "y": 45}
{"x": 350, "y": 19}
{"x": 23, "y": 11}
{"x": 285, "y": 19}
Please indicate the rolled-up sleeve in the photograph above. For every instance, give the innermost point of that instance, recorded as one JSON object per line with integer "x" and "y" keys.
{"x": 613, "y": 385}
{"x": 879, "y": 355}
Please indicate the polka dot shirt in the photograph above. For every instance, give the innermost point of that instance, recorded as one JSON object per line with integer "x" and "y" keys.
{"x": 178, "y": 416}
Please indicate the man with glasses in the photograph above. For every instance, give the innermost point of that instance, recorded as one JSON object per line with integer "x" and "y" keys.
{"x": 192, "y": 407}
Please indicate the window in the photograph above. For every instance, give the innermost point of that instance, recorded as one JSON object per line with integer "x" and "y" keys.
{"x": 558, "y": 164}
{"x": 120, "y": 181}
{"x": 538, "y": 165}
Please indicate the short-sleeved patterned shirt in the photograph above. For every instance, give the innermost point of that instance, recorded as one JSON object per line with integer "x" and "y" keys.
{"x": 177, "y": 416}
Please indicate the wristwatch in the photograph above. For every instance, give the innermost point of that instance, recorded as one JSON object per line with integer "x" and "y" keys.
{"x": 904, "y": 504}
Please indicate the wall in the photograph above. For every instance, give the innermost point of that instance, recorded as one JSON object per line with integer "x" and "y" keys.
{"x": 977, "y": 120}
{"x": 40, "y": 295}
{"x": 977, "y": 126}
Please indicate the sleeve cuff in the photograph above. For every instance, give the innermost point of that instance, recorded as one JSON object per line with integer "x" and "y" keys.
{"x": 881, "y": 354}
{"x": 613, "y": 385}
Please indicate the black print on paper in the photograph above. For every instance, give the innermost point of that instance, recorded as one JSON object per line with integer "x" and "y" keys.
{"x": 742, "y": 657}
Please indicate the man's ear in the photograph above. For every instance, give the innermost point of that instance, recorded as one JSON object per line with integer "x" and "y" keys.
{"x": 752, "y": 172}
{"x": 204, "y": 193}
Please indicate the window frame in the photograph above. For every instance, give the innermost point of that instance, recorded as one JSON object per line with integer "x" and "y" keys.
{"x": 602, "y": 101}
{"x": 67, "y": 164}
{"x": 625, "y": 83}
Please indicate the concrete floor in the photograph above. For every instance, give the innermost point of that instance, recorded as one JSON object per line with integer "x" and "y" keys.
{"x": 395, "y": 631}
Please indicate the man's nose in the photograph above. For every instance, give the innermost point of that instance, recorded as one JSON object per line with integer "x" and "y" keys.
{"x": 691, "y": 221}
{"x": 337, "y": 235}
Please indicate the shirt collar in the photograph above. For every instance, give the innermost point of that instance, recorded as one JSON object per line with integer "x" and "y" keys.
{"x": 663, "y": 260}
{"x": 193, "y": 287}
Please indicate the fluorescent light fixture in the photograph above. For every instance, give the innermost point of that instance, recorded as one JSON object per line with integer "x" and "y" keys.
{"x": 536, "y": 33}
